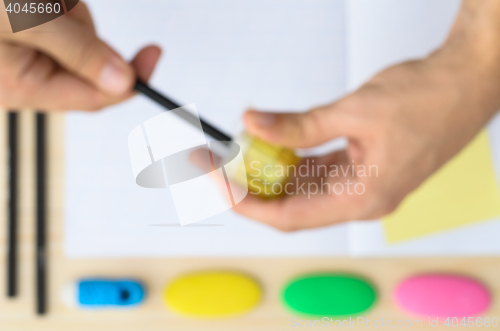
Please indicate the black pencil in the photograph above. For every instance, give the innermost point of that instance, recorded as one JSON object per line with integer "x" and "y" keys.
{"x": 41, "y": 256}
{"x": 12, "y": 206}
{"x": 169, "y": 104}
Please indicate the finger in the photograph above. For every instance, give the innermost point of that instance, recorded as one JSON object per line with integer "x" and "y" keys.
{"x": 296, "y": 130}
{"x": 58, "y": 93}
{"x": 145, "y": 62}
{"x": 225, "y": 181}
{"x": 315, "y": 197}
{"x": 297, "y": 211}
{"x": 206, "y": 161}
{"x": 199, "y": 159}
{"x": 31, "y": 79}
{"x": 76, "y": 48}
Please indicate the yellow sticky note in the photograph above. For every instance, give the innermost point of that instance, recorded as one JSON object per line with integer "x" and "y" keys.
{"x": 463, "y": 191}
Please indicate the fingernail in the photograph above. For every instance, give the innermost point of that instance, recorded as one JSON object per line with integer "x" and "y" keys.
{"x": 113, "y": 79}
{"x": 265, "y": 119}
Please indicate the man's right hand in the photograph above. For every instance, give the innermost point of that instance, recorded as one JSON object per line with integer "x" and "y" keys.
{"x": 63, "y": 65}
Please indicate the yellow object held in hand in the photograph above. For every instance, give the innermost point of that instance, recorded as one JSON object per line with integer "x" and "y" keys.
{"x": 266, "y": 166}
{"x": 212, "y": 294}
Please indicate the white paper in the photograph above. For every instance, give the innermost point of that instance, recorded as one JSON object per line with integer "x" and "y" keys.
{"x": 226, "y": 56}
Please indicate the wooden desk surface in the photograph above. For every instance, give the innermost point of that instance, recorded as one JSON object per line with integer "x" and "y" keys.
{"x": 18, "y": 314}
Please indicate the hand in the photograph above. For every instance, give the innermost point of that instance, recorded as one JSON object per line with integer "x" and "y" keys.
{"x": 401, "y": 127}
{"x": 63, "y": 65}
{"x": 403, "y": 124}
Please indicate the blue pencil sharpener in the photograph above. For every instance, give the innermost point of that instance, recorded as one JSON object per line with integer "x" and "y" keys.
{"x": 105, "y": 293}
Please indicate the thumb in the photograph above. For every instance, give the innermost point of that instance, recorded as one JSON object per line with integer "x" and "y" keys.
{"x": 294, "y": 130}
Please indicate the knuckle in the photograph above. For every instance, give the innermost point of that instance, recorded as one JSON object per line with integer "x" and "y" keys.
{"x": 38, "y": 73}
{"x": 21, "y": 76}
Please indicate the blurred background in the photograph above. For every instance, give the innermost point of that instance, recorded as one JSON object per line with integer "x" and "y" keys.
{"x": 225, "y": 57}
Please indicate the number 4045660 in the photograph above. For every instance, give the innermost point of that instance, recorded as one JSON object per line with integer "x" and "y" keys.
{"x": 34, "y": 8}
{"x": 472, "y": 322}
